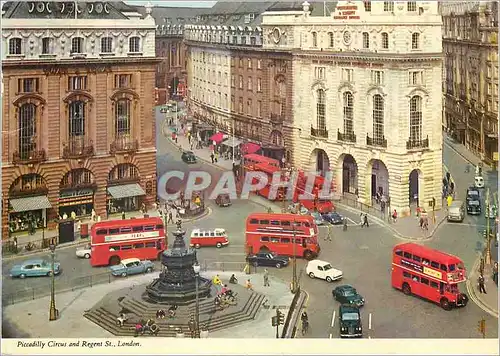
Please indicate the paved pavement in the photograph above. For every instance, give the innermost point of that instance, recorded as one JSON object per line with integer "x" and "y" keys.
{"x": 30, "y": 319}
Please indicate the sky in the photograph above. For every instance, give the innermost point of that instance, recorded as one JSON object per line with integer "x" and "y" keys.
{"x": 175, "y": 3}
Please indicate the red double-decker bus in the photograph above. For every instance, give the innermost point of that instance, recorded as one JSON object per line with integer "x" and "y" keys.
{"x": 284, "y": 234}
{"x": 116, "y": 240}
{"x": 312, "y": 200}
{"x": 250, "y": 160}
{"x": 269, "y": 171}
{"x": 428, "y": 273}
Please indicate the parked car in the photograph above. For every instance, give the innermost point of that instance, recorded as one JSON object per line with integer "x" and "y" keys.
{"x": 35, "y": 268}
{"x": 323, "y": 270}
{"x": 269, "y": 259}
{"x": 491, "y": 212}
{"x": 333, "y": 218}
{"x": 131, "y": 266}
{"x": 347, "y": 294}
{"x": 350, "y": 321}
{"x": 188, "y": 157}
{"x": 318, "y": 218}
{"x": 223, "y": 200}
{"x": 473, "y": 207}
{"x": 84, "y": 252}
{"x": 214, "y": 237}
{"x": 473, "y": 194}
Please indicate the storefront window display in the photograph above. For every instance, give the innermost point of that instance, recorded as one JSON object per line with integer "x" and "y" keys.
{"x": 116, "y": 206}
{"x": 26, "y": 221}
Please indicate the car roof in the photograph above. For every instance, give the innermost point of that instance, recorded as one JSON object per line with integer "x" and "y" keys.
{"x": 128, "y": 260}
{"x": 345, "y": 286}
{"x": 318, "y": 262}
{"x": 191, "y": 152}
{"x": 33, "y": 262}
{"x": 348, "y": 308}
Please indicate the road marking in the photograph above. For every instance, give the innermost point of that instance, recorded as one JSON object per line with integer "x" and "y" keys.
{"x": 331, "y": 336}
{"x": 333, "y": 319}
{"x": 370, "y": 321}
{"x": 354, "y": 222}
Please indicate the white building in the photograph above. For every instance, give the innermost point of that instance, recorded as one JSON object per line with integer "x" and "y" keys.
{"x": 367, "y": 95}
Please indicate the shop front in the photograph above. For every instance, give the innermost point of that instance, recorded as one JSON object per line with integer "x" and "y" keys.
{"x": 124, "y": 198}
{"x": 79, "y": 201}
{"x": 28, "y": 213}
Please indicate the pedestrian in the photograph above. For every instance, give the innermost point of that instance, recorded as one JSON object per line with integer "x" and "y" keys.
{"x": 93, "y": 215}
{"x": 421, "y": 222}
{"x": 329, "y": 233}
{"x": 73, "y": 215}
{"x": 65, "y": 216}
{"x": 266, "y": 278}
{"x": 480, "y": 282}
{"x": 361, "y": 219}
{"x": 170, "y": 217}
{"x": 248, "y": 285}
{"x": 345, "y": 224}
{"x": 123, "y": 214}
{"x": 365, "y": 221}
{"x": 15, "y": 244}
{"x": 155, "y": 206}
{"x": 216, "y": 158}
{"x": 212, "y": 156}
{"x": 191, "y": 145}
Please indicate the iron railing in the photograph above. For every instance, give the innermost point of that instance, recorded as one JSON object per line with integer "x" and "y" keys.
{"x": 29, "y": 157}
{"x": 376, "y": 141}
{"x": 319, "y": 132}
{"x": 78, "y": 147}
{"x": 124, "y": 145}
{"x": 346, "y": 137}
{"x": 415, "y": 144}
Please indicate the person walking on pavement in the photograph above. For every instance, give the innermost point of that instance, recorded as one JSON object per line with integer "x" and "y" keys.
{"x": 345, "y": 224}
{"x": 365, "y": 221}
{"x": 329, "y": 233}
{"x": 212, "y": 156}
{"x": 170, "y": 217}
{"x": 123, "y": 214}
{"x": 266, "y": 278}
{"x": 216, "y": 158}
{"x": 361, "y": 220}
{"x": 480, "y": 282}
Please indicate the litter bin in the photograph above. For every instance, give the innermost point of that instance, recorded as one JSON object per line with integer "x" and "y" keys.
{"x": 84, "y": 230}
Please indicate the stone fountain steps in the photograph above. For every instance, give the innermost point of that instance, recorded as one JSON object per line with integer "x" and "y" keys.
{"x": 148, "y": 312}
{"x": 107, "y": 320}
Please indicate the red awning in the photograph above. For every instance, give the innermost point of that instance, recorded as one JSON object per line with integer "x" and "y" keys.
{"x": 218, "y": 137}
{"x": 250, "y": 147}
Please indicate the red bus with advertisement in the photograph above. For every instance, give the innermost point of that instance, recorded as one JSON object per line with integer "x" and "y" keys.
{"x": 428, "y": 273}
{"x": 250, "y": 160}
{"x": 269, "y": 171}
{"x": 283, "y": 234}
{"x": 312, "y": 200}
{"x": 116, "y": 240}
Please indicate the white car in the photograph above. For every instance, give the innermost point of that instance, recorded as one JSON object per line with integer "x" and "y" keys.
{"x": 323, "y": 270}
{"x": 83, "y": 252}
{"x": 479, "y": 182}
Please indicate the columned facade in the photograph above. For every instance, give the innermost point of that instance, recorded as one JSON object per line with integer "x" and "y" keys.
{"x": 365, "y": 97}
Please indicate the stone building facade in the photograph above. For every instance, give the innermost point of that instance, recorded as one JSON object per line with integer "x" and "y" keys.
{"x": 367, "y": 96}
{"x": 470, "y": 90}
{"x": 77, "y": 111}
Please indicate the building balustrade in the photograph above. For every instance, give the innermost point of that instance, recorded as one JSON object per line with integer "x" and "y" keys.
{"x": 29, "y": 157}
{"x": 78, "y": 185}
{"x": 124, "y": 145}
{"x": 346, "y": 137}
{"x": 319, "y": 132}
{"x": 376, "y": 141}
{"x": 414, "y": 144}
{"x": 122, "y": 180}
{"x": 78, "y": 147}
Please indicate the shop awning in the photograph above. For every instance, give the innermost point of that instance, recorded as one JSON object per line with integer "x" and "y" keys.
{"x": 250, "y": 147}
{"x": 30, "y": 203}
{"x": 126, "y": 191}
{"x": 232, "y": 142}
{"x": 218, "y": 137}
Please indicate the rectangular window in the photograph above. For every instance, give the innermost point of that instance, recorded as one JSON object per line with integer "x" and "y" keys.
{"x": 47, "y": 45}
{"x": 416, "y": 258}
{"x": 233, "y": 81}
{"x": 319, "y": 73}
{"x": 285, "y": 240}
{"x": 77, "y": 83}
{"x": 264, "y": 239}
{"x": 114, "y": 231}
{"x": 240, "y": 82}
{"x": 259, "y": 108}
{"x": 406, "y": 274}
{"x": 399, "y": 253}
{"x": 249, "y": 107}
{"x": 368, "y": 6}
{"x": 259, "y": 63}
{"x": 125, "y": 229}
{"x": 377, "y": 77}
{"x": 240, "y": 105}
{"x": 241, "y": 62}
{"x": 434, "y": 284}
{"x": 415, "y": 278}
{"x": 254, "y": 222}
{"x": 77, "y": 45}
{"x": 275, "y": 239}
{"x": 150, "y": 244}
{"x": 253, "y": 41}
{"x": 123, "y": 81}
{"x": 139, "y": 246}
{"x": 137, "y": 228}
{"x": 424, "y": 281}
{"x": 249, "y": 84}
{"x": 407, "y": 255}
{"x": 388, "y": 6}
{"x": 102, "y": 232}
{"x": 134, "y": 44}
{"x": 412, "y": 6}
{"x": 106, "y": 45}
{"x": 259, "y": 85}
{"x": 249, "y": 63}
{"x": 443, "y": 268}
{"x": 434, "y": 264}
{"x": 416, "y": 77}
{"x": 347, "y": 74}
{"x": 27, "y": 85}
{"x": 149, "y": 228}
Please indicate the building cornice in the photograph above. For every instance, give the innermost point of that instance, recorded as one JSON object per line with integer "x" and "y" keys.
{"x": 80, "y": 24}
{"x": 86, "y": 63}
{"x": 226, "y": 47}
{"x": 368, "y": 57}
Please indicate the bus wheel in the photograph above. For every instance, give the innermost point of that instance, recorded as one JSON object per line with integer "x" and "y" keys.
{"x": 113, "y": 261}
{"x": 308, "y": 255}
{"x": 445, "y": 304}
{"x": 406, "y": 289}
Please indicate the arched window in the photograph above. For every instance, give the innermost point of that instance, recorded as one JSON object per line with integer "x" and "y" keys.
{"x": 27, "y": 130}
{"x": 415, "y": 40}
{"x": 122, "y": 118}
{"x": 76, "y": 119}
{"x": 378, "y": 118}
{"x": 123, "y": 171}
{"x": 348, "y": 113}
{"x": 321, "y": 109}
{"x": 315, "y": 39}
{"x": 331, "y": 39}
{"x": 366, "y": 40}
{"x": 385, "y": 40}
{"x": 416, "y": 119}
{"x": 15, "y": 46}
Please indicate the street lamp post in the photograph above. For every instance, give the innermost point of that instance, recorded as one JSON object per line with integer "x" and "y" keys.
{"x": 293, "y": 286}
{"x": 197, "y": 269}
{"x": 232, "y": 134}
{"x": 53, "y": 312}
{"x": 488, "y": 232}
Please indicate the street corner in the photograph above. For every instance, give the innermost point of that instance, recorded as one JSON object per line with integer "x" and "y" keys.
{"x": 474, "y": 295}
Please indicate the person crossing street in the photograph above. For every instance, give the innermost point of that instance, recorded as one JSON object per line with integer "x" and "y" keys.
{"x": 329, "y": 233}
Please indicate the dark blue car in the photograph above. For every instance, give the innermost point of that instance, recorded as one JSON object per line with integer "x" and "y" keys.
{"x": 333, "y": 218}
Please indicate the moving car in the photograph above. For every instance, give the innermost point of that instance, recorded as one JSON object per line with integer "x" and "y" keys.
{"x": 294, "y": 209}
{"x": 347, "y": 294}
{"x": 188, "y": 157}
{"x": 83, "y": 252}
{"x": 223, "y": 200}
{"x": 350, "y": 321}
{"x": 216, "y": 237}
{"x": 333, "y": 218}
{"x": 473, "y": 207}
{"x": 131, "y": 266}
{"x": 473, "y": 194}
{"x": 456, "y": 211}
{"x": 323, "y": 270}
{"x": 269, "y": 259}
{"x": 35, "y": 268}
{"x": 318, "y": 218}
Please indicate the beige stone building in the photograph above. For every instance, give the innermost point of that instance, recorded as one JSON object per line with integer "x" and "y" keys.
{"x": 470, "y": 47}
{"x": 78, "y": 130}
{"x": 367, "y": 96}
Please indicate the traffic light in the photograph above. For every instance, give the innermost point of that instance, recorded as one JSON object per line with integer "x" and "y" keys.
{"x": 281, "y": 317}
{"x": 482, "y": 326}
